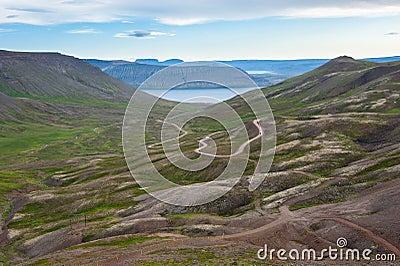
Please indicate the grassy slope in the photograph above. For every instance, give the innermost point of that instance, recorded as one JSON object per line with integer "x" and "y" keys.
{"x": 60, "y": 108}
{"x": 53, "y": 76}
{"x": 342, "y": 85}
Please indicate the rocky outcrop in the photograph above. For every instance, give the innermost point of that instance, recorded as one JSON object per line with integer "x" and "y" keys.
{"x": 137, "y": 226}
{"x": 50, "y": 242}
{"x": 3, "y": 233}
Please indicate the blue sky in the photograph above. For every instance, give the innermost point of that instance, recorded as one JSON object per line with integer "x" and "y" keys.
{"x": 203, "y": 29}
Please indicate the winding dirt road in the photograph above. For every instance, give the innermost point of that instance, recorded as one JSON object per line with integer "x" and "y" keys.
{"x": 368, "y": 234}
{"x": 203, "y": 144}
{"x": 286, "y": 216}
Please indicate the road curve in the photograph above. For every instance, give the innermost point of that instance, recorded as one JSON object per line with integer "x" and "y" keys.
{"x": 203, "y": 144}
{"x": 239, "y": 151}
{"x": 368, "y": 233}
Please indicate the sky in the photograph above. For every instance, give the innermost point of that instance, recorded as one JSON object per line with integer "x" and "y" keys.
{"x": 202, "y": 29}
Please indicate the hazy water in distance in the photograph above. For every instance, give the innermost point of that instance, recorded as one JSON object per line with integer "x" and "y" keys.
{"x": 209, "y": 95}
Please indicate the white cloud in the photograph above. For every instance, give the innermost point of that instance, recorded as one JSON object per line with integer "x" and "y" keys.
{"x": 351, "y": 11}
{"x": 83, "y": 31}
{"x": 177, "y": 12}
{"x": 142, "y": 34}
{"x": 6, "y": 30}
{"x": 183, "y": 21}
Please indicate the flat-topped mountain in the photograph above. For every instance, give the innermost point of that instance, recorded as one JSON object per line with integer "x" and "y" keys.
{"x": 263, "y": 72}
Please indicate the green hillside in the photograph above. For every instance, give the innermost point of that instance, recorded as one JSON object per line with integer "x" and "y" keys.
{"x": 57, "y": 78}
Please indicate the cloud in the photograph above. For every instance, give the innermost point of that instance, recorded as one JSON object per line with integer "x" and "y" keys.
{"x": 142, "y": 34}
{"x": 183, "y": 21}
{"x": 29, "y": 10}
{"x": 177, "y": 12}
{"x": 6, "y": 30}
{"x": 74, "y": 2}
{"x": 392, "y": 33}
{"x": 83, "y": 31}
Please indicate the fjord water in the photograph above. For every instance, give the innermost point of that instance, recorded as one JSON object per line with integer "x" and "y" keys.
{"x": 205, "y": 95}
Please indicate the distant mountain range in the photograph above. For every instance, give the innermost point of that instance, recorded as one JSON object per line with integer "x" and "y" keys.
{"x": 263, "y": 72}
